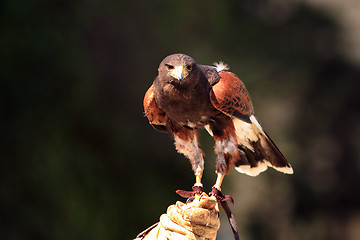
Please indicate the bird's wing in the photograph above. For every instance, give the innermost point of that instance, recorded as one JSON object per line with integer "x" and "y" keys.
{"x": 257, "y": 151}
{"x": 156, "y": 116}
{"x": 230, "y": 97}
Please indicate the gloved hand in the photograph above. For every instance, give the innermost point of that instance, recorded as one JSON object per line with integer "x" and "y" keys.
{"x": 196, "y": 220}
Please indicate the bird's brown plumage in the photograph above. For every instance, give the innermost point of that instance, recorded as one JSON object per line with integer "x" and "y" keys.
{"x": 230, "y": 96}
{"x": 186, "y": 96}
{"x": 156, "y": 116}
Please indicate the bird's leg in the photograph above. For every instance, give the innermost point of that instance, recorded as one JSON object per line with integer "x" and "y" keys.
{"x": 217, "y": 185}
{"x": 198, "y": 174}
{"x": 227, "y": 152}
{"x": 226, "y": 147}
{"x": 186, "y": 142}
{"x": 219, "y": 180}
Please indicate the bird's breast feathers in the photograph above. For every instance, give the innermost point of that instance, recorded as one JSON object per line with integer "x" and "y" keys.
{"x": 187, "y": 106}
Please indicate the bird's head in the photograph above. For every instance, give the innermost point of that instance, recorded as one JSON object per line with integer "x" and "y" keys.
{"x": 176, "y": 68}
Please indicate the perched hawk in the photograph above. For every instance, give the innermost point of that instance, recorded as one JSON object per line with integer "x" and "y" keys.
{"x": 186, "y": 96}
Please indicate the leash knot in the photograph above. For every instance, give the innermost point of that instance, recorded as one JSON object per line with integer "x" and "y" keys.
{"x": 219, "y": 196}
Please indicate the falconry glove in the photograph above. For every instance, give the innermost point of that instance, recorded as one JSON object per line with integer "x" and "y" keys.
{"x": 194, "y": 220}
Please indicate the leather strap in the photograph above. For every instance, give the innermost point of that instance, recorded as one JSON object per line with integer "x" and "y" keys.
{"x": 223, "y": 200}
{"x": 188, "y": 194}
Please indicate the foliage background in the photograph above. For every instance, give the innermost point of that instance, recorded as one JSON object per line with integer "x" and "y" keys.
{"x": 79, "y": 160}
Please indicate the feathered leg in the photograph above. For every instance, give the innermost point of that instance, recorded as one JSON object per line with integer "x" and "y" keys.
{"x": 226, "y": 148}
{"x": 186, "y": 142}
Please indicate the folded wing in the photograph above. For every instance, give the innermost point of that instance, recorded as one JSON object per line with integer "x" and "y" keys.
{"x": 257, "y": 151}
{"x": 156, "y": 116}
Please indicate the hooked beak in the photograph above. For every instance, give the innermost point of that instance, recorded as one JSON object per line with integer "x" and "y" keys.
{"x": 179, "y": 72}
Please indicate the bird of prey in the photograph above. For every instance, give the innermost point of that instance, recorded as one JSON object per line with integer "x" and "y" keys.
{"x": 186, "y": 96}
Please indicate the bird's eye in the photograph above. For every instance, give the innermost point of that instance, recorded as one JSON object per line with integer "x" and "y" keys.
{"x": 188, "y": 67}
{"x": 169, "y": 67}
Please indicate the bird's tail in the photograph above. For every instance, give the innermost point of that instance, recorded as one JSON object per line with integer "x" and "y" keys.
{"x": 257, "y": 150}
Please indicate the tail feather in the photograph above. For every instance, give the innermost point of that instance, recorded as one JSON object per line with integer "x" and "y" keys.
{"x": 257, "y": 150}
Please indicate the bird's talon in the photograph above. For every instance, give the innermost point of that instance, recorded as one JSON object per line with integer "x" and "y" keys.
{"x": 201, "y": 195}
{"x": 190, "y": 199}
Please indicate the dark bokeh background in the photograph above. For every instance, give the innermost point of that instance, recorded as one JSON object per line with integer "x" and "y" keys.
{"x": 79, "y": 160}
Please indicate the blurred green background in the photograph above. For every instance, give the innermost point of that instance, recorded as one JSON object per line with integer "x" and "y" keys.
{"x": 79, "y": 161}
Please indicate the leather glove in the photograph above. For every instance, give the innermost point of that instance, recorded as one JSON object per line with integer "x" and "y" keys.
{"x": 196, "y": 220}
